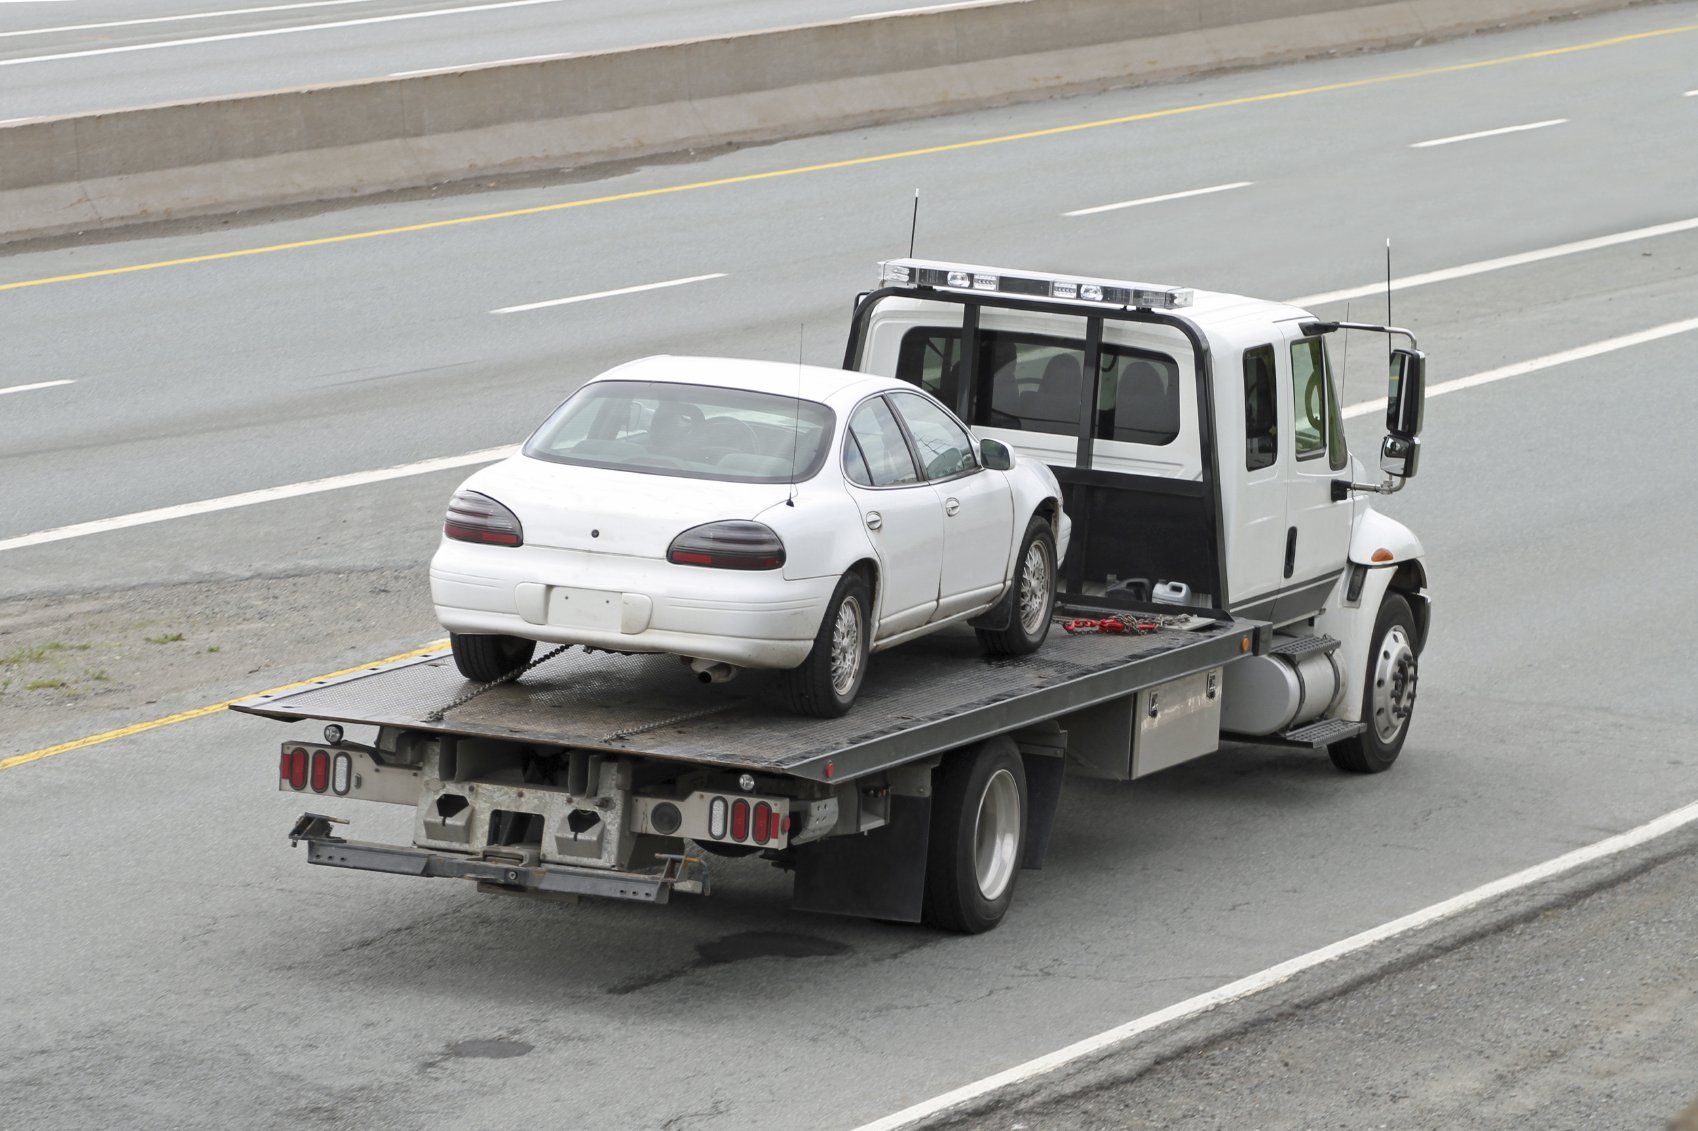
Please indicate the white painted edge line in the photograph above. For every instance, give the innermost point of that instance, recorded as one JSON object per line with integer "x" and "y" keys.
{"x": 927, "y": 8}
{"x": 37, "y": 385}
{"x": 1550, "y": 360}
{"x": 1284, "y": 971}
{"x": 292, "y": 29}
{"x": 1158, "y": 199}
{"x": 249, "y": 498}
{"x": 1691, "y": 94}
{"x": 609, "y": 294}
{"x": 184, "y": 16}
{"x": 484, "y": 63}
{"x": 1489, "y": 133}
{"x": 1481, "y": 266}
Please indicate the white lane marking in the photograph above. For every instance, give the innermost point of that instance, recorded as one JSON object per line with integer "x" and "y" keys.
{"x": 1484, "y": 265}
{"x": 1158, "y": 199}
{"x": 291, "y": 30}
{"x": 185, "y": 16}
{"x": 1691, "y": 94}
{"x": 37, "y": 385}
{"x": 490, "y": 455}
{"x": 1520, "y": 368}
{"x": 927, "y": 8}
{"x": 486, "y": 63}
{"x": 609, "y": 294}
{"x": 1488, "y": 133}
{"x": 249, "y": 498}
{"x": 1285, "y": 971}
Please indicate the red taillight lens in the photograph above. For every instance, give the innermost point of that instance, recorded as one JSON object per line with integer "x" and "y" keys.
{"x": 320, "y": 771}
{"x": 739, "y": 820}
{"x": 283, "y": 766}
{"x": 728, "y": 545}
{"x": 297, "y": 768}
{"x": 763, "y": 823}
{"x": 478, "y": 518}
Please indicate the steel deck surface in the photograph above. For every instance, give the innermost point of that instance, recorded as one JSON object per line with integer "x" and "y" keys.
{"x": 919, "y": 698}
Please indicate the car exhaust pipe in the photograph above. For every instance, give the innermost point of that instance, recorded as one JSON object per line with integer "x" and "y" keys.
{"x": 713, "y": 671}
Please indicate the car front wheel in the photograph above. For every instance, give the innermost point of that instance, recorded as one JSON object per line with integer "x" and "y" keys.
{"x": 829, "y": 679}
{"x": 1032, "y": 598}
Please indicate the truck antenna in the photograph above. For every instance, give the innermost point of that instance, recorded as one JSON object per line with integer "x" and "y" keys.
{"x": 1388, "y": 298}
{"x": 796, "y": 422}
{"x": 914, "y": 224}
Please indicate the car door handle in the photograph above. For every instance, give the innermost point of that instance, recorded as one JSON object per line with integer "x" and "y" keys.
{"x": 950, "y": 506}
{"x": 874, "y": 520}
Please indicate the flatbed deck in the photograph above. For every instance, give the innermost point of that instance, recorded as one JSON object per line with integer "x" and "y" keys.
{"x": 921, "y": 698}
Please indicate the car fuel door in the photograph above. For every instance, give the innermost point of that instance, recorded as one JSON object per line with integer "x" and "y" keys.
{"x": 903, "y": 516}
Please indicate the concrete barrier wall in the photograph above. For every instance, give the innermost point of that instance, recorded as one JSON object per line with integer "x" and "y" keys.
{"x": 66, "y": 175}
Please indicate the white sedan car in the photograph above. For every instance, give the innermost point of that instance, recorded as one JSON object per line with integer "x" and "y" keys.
{"x": 748, "y": 514}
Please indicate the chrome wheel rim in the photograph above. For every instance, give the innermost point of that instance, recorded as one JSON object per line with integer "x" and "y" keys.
{"x": 846, "y": 646}
{"x": 1034, "y": 588}
{"x": 1393, "y": 698}
{"x": 996, "y": 835}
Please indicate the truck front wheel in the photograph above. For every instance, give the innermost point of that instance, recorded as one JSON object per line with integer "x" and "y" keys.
{"x": 1388, "y": 693}
{"x": 978, "y": 837}
{"x": 486, "y": 658}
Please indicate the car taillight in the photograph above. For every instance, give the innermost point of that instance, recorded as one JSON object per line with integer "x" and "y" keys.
{"x": 731, "y": 544}
{"x": 478, "y": 518}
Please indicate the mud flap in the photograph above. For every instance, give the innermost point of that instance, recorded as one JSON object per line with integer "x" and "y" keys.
{"x": 1043, "y": 795}
{"x": 876, "y": 875}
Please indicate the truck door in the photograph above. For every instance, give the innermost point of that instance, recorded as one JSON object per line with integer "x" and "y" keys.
{"x": 903, "y": 513}
{"x": 1250, "y": 461}
{"x": 1317, "y": 534}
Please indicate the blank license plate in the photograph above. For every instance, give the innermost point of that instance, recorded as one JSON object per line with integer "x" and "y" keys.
{"x": 584, "y": 608}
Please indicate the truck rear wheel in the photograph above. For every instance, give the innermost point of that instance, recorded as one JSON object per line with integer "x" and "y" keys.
{"x": 486, "y": 658}
{"x": 1388, "y": 693}
{"x": 978, "y": 837}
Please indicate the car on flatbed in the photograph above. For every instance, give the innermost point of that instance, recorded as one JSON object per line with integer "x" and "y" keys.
{"x": 748, "y": 514}
{"x": 1226, "y": 581}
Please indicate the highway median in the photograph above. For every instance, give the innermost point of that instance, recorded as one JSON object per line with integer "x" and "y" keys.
{"x": 62, "y": 176}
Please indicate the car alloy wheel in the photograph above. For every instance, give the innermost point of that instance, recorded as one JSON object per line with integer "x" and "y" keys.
{"x": 846, "y": 646}
{"x": 1034, "y": 588}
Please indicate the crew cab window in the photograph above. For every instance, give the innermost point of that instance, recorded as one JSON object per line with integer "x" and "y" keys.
{"x": 1036, "y": 382}
{"x": 1261, "y": 409}
{"x": 945, "y": 448}
{"x": 1309, "y": 397}
{"x": 880, "y": 451}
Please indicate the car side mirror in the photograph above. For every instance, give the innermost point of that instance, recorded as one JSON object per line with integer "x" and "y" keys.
{"x": 995, "y": 455}
{"x": 1406, "y": 393}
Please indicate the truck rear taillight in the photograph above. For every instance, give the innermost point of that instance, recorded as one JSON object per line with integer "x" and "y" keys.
{"x": 478, "y": 518}
{"x": 317, "y": 769}
{"x": 716, "y": 817}
{"x": 728, "y": 545}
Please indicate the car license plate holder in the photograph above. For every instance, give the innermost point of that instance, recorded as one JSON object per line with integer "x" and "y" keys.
{"x": 596, "y": 609}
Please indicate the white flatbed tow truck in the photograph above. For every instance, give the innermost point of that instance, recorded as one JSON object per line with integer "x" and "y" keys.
{"x": 1227, "y": 581}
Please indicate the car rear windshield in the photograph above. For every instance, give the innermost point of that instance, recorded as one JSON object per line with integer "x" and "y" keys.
{"x": 695, "y": 431}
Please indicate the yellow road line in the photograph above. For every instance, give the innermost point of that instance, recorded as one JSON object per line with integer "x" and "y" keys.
{"x": 198, "y": 712}
{"x": 855, "y": 162}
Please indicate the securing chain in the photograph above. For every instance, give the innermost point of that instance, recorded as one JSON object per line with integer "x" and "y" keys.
{"x": 440, "y": 713}
{"x": 656, "y": 725}
{"x": 1110, "y": 626}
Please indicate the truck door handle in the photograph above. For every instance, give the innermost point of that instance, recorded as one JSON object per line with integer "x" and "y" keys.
{"x": 1290, "y": 550}
{"x": 876, "y": 520}
{"x": 950, "y": 506}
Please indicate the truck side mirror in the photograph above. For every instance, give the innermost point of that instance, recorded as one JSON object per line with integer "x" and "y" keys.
{"x": 1406, "y": 393}
{"x": 995, "y": 455}
{"x": 1400, "y": 455}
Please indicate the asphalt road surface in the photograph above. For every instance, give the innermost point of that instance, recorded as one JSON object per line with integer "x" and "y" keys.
{"x": 81, "y": 56}
{"x": 179, "y": 964}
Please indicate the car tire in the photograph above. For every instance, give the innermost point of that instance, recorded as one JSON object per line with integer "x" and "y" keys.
{"x": 823, "y": 686}
{"x": 1388, "y": 693}
{"x": 1031, "y": 599}
{"x": 486, "y": 658}
{"x": 978, "y": 837}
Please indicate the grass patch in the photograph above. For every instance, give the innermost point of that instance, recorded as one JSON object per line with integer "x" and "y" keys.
{"x": 39, "y": 654}
{"x": 99, "y": 676}
{"x": 213, "y": 648}
{"x": 167, "y": 638}
{"x": 44, "y": 685}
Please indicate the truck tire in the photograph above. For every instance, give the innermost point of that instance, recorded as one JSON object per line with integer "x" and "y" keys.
{"x": 1388, "y": 693}
{"x": 829, "y": 679}
{"x": 1031, "y": 599}
{"x": 978, "y": 837}
{"x": 486, "y": 658}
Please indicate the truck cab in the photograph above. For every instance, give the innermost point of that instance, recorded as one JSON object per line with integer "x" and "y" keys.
{"x": 1199, "y": 439}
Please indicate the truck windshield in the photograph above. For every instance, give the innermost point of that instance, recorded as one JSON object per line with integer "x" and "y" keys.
{"x": 694, "y": 431}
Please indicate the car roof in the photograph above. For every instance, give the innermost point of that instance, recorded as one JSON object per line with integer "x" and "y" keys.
{"x": 783, "y": 378}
